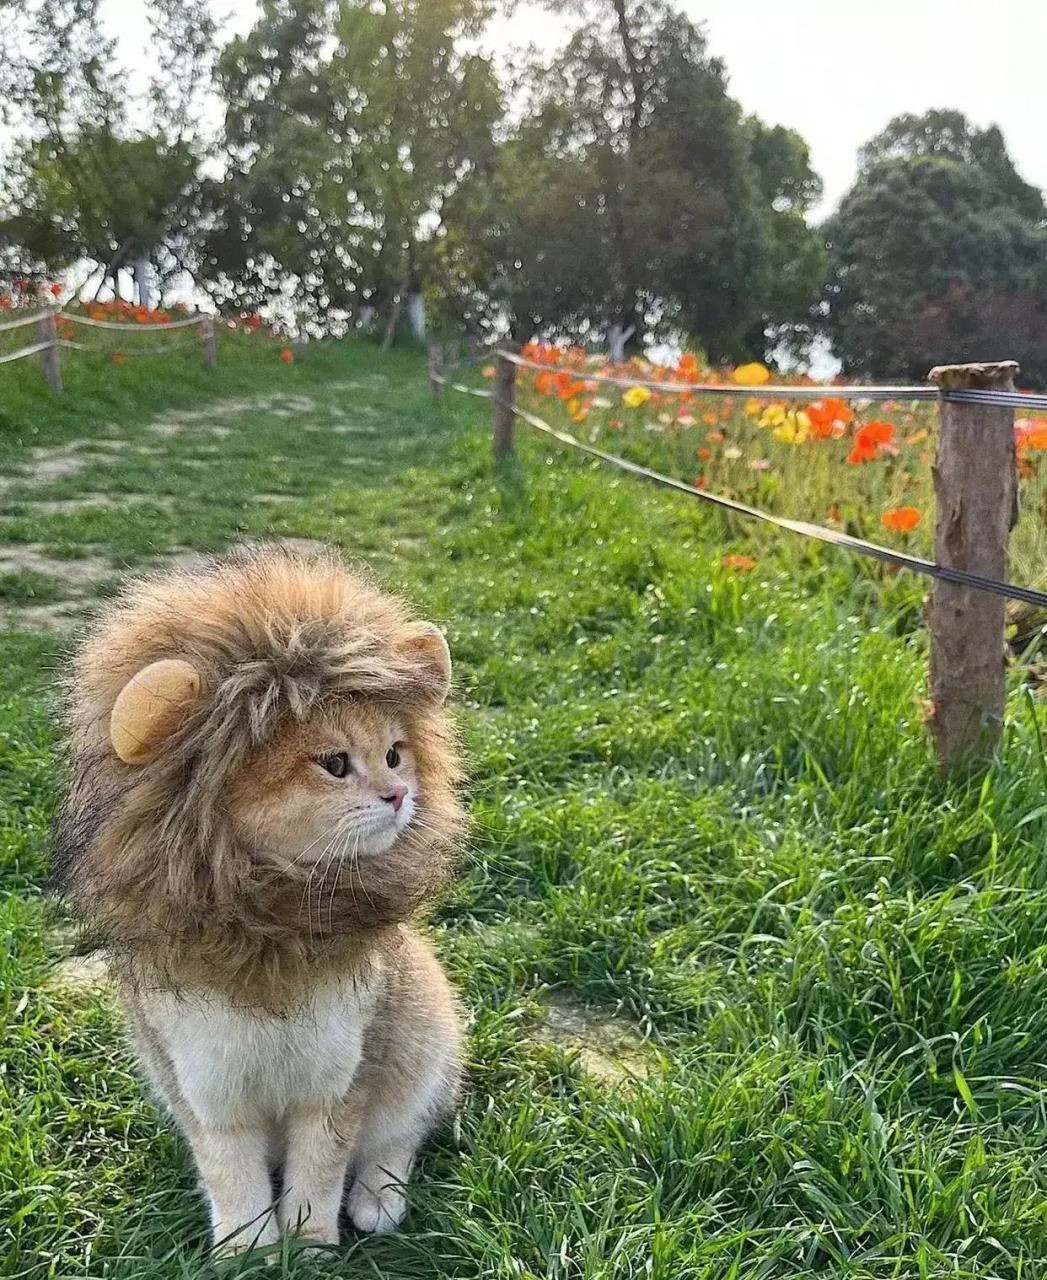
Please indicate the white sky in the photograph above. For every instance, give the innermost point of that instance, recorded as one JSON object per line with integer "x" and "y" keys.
{"x": 835, "y": 70}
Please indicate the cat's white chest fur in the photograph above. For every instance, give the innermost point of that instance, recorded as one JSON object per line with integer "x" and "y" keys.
{"x": 237, "y": 1066}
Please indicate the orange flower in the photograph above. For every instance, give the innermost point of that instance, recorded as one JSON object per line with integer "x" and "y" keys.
{"x": 701, "y": 483}
{"x": 705, "y": 454}
{"x": 1030, "y": 433}
{"x": 829, "y": 418}
{"x": 287, "y": 355}
{"x": 917, "y": 437}
{"x": 117, "y": 358}
{"x": 710, "y": 419}
{"x": 876, "y": 433}
{"x": 487, "y": 371}
{"x": 901, "y": 519}
{"x": 743, "y": 563}
{"x": 716, "y": 437}
{"x": 869, "y": 439}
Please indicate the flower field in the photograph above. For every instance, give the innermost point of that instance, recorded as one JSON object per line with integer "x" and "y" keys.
{"x": 28, "y": 298}
{"x": 862, "y": 467}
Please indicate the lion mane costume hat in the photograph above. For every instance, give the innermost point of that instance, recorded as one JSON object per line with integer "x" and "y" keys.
{"x": 184, "y": 679}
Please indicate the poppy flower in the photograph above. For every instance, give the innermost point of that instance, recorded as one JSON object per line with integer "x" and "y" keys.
{"x": 744, "y": 563}
{"x": 118, "y": 358}
{"x": 56, "y": 290}
{"x": 635, "y": 397}
{"x": 710, "y": 419}
{"x": 716, "y": 437}
{"x": 287, "y": 355}
{"x": 752, "y": 375}
{"x": 701, "y": 483}
{"x": 829, "y": 418}
{"x": 900, "y": 519}
{"x": 705, "y": 454}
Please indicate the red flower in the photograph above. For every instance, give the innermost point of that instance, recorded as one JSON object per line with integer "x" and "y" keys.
{"x": 56, "y": 290}
{"x": 901, "y": 519}
{"x": 287, "y": 355}
{"x": 701, "y": 483}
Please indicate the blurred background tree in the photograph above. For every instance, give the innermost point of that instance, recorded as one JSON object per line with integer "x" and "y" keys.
{"x": 938, "y": 251}
{"x": 364, "y": 163}
{"x": 97, "y": 174}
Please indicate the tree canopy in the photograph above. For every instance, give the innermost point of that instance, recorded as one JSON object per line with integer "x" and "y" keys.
{"x": 365, "y": 161}
{"x": 938, "y": 253}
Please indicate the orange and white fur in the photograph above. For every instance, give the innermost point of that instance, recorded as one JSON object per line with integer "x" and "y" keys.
{"x": 252, "y": 843}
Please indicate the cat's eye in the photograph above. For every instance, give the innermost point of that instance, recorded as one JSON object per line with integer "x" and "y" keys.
{"x": 392, "y": 756}
{"x": 336, "y": 764}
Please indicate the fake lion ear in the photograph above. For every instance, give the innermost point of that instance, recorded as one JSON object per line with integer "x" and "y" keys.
{"x": 152, "y": 706}
{"x": 428, "y": 648}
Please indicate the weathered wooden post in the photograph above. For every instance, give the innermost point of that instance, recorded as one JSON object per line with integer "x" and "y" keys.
{"x": 503, "y": 417}
{"x": 435, "y": 363}
{"x": 208, "y": 343}
{"x": 976, "y": 488}
{"x": 50, "y": 360}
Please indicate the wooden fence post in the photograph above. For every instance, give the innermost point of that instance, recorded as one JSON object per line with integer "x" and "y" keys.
{"x": 50, "y": 360}
{"x": 976, "y": 490}
{"x": 435, "y": 364}
{"x": 208, "y": 343}
{"x": 503, "y": 419}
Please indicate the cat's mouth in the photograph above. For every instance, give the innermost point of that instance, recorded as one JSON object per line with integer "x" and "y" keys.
{"x": 379, "y": 831}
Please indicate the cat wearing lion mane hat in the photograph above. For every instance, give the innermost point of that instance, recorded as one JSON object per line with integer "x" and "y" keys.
{"x": 262, "y": 796}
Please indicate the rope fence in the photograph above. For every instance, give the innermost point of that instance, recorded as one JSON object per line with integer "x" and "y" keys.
{"x": 49, "y": 342}
{"x": 976, "y": 492}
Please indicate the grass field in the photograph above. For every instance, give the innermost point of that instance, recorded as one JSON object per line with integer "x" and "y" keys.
{"x": 753, "y": 994}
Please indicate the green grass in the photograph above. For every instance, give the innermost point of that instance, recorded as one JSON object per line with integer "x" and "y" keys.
{"x": 704, "y": 813}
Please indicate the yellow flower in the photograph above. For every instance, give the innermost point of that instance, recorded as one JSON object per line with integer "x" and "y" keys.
{"x": 772, "y": 416}
{"x": 752, "y": 375}
{"x": 576, "y": 409}
{"x": 635, "y": 397}
{"x": 753, "y": 407}
{"x": 794, "y": 429}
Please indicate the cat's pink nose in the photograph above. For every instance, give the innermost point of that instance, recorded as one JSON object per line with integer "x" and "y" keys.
{"x": 395, "y": 796}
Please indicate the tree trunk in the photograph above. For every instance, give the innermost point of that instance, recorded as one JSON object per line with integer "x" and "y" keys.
{"x": 416, "y": 313}
{"x": 143, "y": 276}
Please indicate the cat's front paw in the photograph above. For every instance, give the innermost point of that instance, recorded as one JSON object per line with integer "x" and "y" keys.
{"x": 376, "y": 1211}
{"x": 230, "y": 1241}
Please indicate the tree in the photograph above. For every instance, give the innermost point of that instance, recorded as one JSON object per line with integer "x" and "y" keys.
{"x": 94, "y": 175}
{"x": 935, "y": 257}
{"x": 796, "y": 259}
{"x": 950, "y": 135}
{"x": 349, "y": 125}
{"x": 632, "y": 197}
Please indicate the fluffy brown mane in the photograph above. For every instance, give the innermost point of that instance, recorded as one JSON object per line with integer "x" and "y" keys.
{"x": 148, "y": 854}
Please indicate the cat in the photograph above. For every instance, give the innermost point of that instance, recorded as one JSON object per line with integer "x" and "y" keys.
{"x": 254, "y": 875}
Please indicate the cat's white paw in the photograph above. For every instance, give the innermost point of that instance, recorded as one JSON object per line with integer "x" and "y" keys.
{"x": 376, "y": 1211}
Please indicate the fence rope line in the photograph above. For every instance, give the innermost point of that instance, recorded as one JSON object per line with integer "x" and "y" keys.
{"x": 974, "y": 581}
{"x": 25, "y": 320}
{"x": 22, "y": 352}
{"x": 769, "y": 391}
{"x": 131, "y": 328}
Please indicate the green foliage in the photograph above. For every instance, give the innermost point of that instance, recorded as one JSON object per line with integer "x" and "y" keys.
{"x": 348, "y": 127}
{"x": 632, "y": 193}
{"x": 705, "y": 821}
{"x": 96, "y": 174}
{"x": 938, "y": 255}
